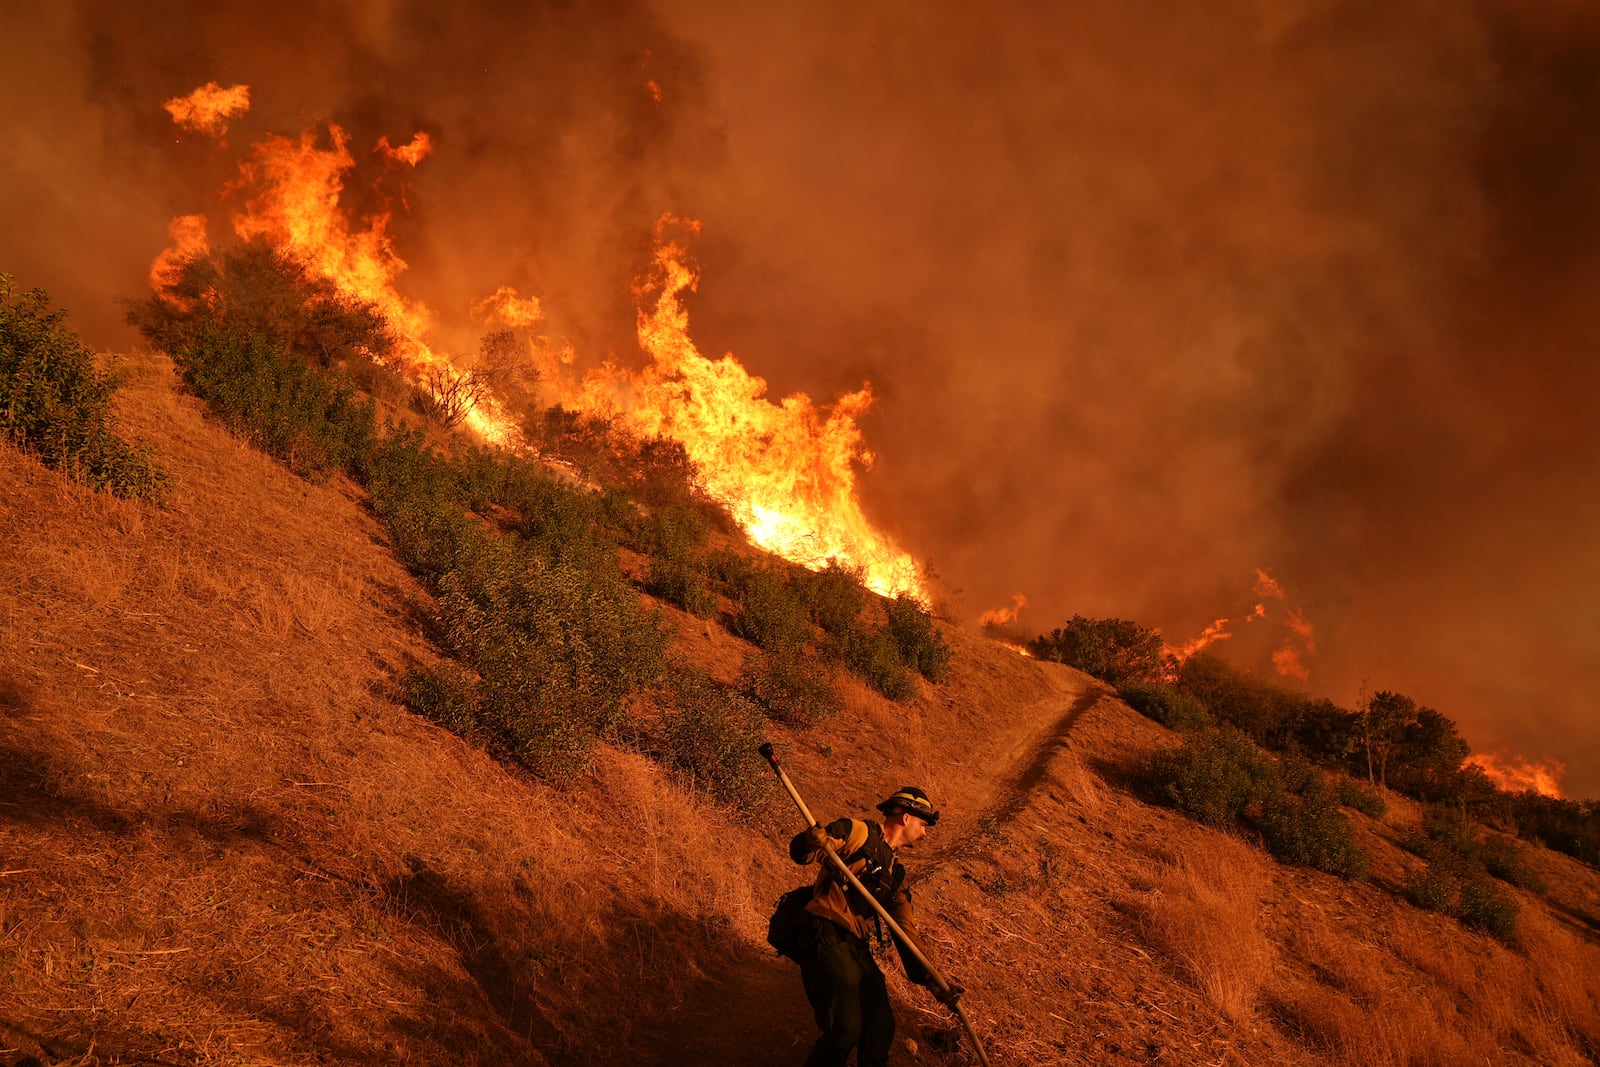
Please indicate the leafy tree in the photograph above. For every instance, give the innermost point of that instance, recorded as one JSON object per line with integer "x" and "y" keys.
{"x": 1385, "y": 719}
{"x": 1113, "y": 650}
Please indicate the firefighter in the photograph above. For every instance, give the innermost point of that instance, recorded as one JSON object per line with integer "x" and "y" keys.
{"x": 842, "y": 980}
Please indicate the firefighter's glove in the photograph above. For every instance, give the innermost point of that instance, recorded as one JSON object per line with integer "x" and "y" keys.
{"x": 817, "y": 837}
{"x": 949, "y": 994}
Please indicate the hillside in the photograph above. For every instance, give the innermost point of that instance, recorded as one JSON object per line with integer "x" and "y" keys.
{"x": 223, "y": 840}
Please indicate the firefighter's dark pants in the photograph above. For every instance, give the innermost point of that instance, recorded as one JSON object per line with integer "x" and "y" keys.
{"x": 847, "y": 992}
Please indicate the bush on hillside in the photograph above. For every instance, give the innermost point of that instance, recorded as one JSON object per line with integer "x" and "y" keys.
{"x": 1113, "y": 650}
{"x": 560, "y": 651}
{"x": 793, "y": 689}
{"x": 682, "y": 583}
{"x": 834, "y": 597}
{"x": 918, "y": 642}
{"x": 1465, "y": 895}
{"x": 710, "y": 736}
{"x": 1213, "y": 777}
{"x": 57, "y": 405}
{"x": 313, "y": 423}
{"x": 874, "y": 656}
{"x": 254, "y": 290}
{"x": 1166, "y": 704}
{"x": 1352, "y": 794}
{"x": 770, "y": 614}
{"x": 1307, "y": 828}
{"x": 446, "y": 695}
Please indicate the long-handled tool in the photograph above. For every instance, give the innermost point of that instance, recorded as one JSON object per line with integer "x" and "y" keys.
{"x": 894, "y": 927}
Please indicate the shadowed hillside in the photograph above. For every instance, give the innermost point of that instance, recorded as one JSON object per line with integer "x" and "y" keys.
{"x": 223, "y": 839}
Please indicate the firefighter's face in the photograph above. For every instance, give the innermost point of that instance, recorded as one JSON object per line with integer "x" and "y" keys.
{"x": 914, "y": 830}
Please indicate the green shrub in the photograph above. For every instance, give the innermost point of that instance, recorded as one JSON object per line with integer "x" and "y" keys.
{"x": 1489, "y": 908}
{"x": 310, "y": 421}
{"x": 1467, "y": 895}
{"x": 731, "y": 569}
{"x": 710, "y": 736}
{"x": 918, "y": 642}
{"x": 1309, "y": 829}
{"x": 681, "y": 582}
{"x": 1113, "y": 650}
{"x": 1213, "y": 777}
{"x": 770, "y": 615}
{"x": 793, "y": 689}
{"x": 1352, "y": 794}
{"x": 55, "y": 404}
{"x": 1166, "y": 704}
{"x": 1509, "y": 863}
{"x": 560, "y": 651}
{"x": 834, "y": 597}
{"x": 874, "y": 656}
{"x": 675, "y": 532}
{"x": 446, "y": 695}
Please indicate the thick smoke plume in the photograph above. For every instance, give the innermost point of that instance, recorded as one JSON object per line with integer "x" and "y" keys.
{"x": 1151, "y": 295}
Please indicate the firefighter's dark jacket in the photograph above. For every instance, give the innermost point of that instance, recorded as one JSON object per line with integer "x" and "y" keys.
{"x": 862, "y": 847}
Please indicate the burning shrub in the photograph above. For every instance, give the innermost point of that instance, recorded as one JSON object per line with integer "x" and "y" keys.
{"x": 54, "y": 403}
{"x": 447, "y": 395}
{"x": 793, "y": 689}
{"x": 710, "y": 736}
{"x": 1166, "y": 704}
{"x": 254, "y": 290}
{"x": 1113, "y": 650}
{"x": 919, "y": 644}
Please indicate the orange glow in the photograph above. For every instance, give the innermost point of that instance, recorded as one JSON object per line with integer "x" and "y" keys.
{"x": 208, "y": 109}
{"x": 1004, "y": 616}
{"x": 1515, "y": 774}
{"x": 1302, "y": 641}
{"x": 1018, "y": 649}
{"x": 412, "y": 153}
{"x": 655, "y": 90}
{"x": 786, "y": 470}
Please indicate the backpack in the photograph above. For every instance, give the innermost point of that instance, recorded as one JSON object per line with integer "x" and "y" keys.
{"x": 791, "y": 922}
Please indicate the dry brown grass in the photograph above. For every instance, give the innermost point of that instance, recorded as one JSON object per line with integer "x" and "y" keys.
{"x": 1203, "y": 912}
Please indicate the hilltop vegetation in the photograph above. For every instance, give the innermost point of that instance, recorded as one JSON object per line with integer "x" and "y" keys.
{"x": 233, "y": 829}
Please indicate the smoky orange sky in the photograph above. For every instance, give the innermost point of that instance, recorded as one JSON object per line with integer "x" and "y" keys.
{"x": 1151, "y": 295}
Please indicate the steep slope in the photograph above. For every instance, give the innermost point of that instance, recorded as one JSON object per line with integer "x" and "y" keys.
{"x": 222, "y": 841}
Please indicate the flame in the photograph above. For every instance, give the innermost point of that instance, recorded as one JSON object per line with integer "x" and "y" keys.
{"x": 411, "y": 153}
{"x": 1515, "y": 774}
{"x": 504, "y": 306}
{"x": 296, "y": 209}
{"x": 208, "y": 108}
{"x": 786, "y": 470}
{"x": 1020, "y": 650}
{"x": 188, "y": 233}
{"x": 1302, "y": 641}
{"x": 1267, "y": 585}
{"x": 1004, "y": 616}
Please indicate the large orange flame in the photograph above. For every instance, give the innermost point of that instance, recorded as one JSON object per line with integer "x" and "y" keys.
{"x": 208, "y": 109}
{"x": 1515, "y": 774}
{"x": 786, "y": 470}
